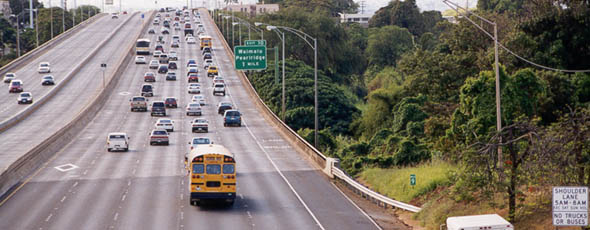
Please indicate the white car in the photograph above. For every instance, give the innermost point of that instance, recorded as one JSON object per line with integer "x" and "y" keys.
{"x": 156, "y": 21}
{"x": 140, "y": 60}
{"x": 157, "y": 53}
{"x": 44, "y": 67}
{"x": 117, "y": 141}
{"x": 199, "y": 99}
{"x": 191, "y": 40}
{"x": 194, "y": 88}
{"x": 154, "y": 64}
{"x": 188, "y": 36}
{"x": 173, "y": 56}
{"x": 219, "y": 88}
{"x": 25, "y": 98}
{"x": 199, "y": 141}
{"x": 9, "y": 77}
{"x": 194, "y": 109}
{"x": 200, "y": 125}
{"x": 164, "y": 123}
{"x": 208, "y": 62}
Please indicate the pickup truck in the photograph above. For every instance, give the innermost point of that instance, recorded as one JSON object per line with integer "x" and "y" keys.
{"x": 138, "y": 104}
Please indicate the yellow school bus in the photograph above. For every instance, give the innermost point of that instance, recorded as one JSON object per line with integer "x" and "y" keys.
{"x": 212, "y": 172}
{"x": 205, "y": 41}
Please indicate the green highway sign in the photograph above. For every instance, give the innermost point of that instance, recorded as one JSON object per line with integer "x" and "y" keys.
{"x": 412, "y": 179}
{"x": 250, "y": 57}
{"x": 255, "y": 42}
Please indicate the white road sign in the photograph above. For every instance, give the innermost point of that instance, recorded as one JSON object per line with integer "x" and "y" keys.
{"x": 570, "y": 206}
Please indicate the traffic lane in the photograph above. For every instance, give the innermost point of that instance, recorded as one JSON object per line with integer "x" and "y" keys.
{"x": 332, "y": 209}
{"x": 58, "y": 112}
{"x": 62, "y": 58}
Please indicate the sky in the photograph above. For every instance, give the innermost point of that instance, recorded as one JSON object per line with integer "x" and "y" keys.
{"x": 370, "y": 5}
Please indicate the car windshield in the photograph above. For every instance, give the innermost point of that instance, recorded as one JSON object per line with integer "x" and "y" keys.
{"x": 44, "y": 65}
{"x": 159, "y": 132}
{"x": 138, "y": 99}
{"x": 218, "y": 85}
{"x": 147, "y": 87}
{"x": 165, "y": 121}
{"x": 194, "y": 105}
{"x": 9, "y": 75}
{"x": 48, "y": 77}
{"x": 117, "y": 137}
{"x": 200, "y": 121}
{"x": 170, "y": 100}
{"x": 25, "y": 95}
{"x": 149, "y": 74}
{"x": 15, "y": 83}
{"x": 233, "y": 113}
{"x": 212, "y": 68}
{"x": 158, "y": 104}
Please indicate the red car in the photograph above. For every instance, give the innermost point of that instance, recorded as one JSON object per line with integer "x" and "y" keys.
{"x": 170, "y": 102}
{"x": 193, "y": 78}
{"x": 16, "y": 86}
{"x": 149, "y": 77}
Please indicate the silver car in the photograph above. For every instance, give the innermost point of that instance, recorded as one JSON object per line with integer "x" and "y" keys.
{"x": 193, "y": 109}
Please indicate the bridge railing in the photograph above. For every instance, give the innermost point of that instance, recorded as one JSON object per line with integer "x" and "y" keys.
{"x": 327, "y": 164}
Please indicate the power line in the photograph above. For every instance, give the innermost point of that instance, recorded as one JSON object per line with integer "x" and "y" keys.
{"x": 448, "y": 3}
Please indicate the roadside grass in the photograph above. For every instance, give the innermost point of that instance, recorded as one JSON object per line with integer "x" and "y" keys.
{"x": 395, "y": 182}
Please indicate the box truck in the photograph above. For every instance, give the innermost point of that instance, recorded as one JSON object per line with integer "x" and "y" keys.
{"x": 478, "y": 222}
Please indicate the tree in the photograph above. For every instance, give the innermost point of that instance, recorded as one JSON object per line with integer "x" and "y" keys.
{"x": 387, "y": 44}
{"x": 500, "y": 6}
{"x": 406, "y": 14}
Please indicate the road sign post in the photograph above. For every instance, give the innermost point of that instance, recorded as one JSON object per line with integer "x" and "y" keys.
{"x": 412, "y": 180}
{"x": 570, "y": 206}
{"x": 250, "y": 57}
{"x": 255, "y": 42}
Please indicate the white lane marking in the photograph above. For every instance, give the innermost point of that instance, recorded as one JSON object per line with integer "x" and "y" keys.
{"x": 123, "y": 198}
{"x": 124, "y": 93}
{"x": 75, "y": 184}
{"x": 274, "y": 164}
{"x": 66, "y": 167}
{"x": 48, "y": 217}
{"x": 62, "y": 199}
{"x": 361, "y": 210}
{"x": 116, "y": 216}
{"x": 86, "y": 171}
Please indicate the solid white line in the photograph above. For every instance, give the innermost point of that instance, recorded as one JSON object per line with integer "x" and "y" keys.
{"x": 359, "y": 208}
{"x": 273, "y": 163}
{"x": 49, "y": 217}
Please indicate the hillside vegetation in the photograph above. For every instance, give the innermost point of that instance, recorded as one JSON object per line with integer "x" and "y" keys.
{"x": 415, "y": 94}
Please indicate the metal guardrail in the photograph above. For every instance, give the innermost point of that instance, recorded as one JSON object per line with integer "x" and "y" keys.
{"x": 329, "y": 167}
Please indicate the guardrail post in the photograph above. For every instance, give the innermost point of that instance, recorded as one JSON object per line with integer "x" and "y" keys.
{"x": 330, "y": 163}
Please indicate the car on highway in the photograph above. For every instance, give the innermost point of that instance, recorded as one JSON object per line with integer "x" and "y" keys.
{"x": 157, "y": 53}
{"x": 154, "y": 64}
{"x": 156, "y": 22}
{"x": 219, "y": 88}
{"x": 138, "y": 103}
{"x": 166, "y": 23}
{"x": 15, "y": 86}
{"x": 193, "y": 66}
{"x": 172, "y": 65}
{"x": 191, "y": 40}
{"x": 158, "y": 108}
{"x": 207, "y": 56}
{"x": 193, "y": 77}
{"x": 48, "y": 80}
{"x": 196, "y": 141}
{"x": 199, "y": 125}
{"x": 163, "y": 58}
{"x": 193, "y": 109}
{"x": 218, "y": 79}
{"x": 149, "y": 77}
{"x": 171, "y": 76}
{"x": 175, "y": 45}
{"x": 199, "y": 99}
{"x": 190, "y": 61}
{"x": 175, "y": 38}
{"x": 223, "y": 106}
{"x": 194, "y": 88}
{"x": 171, "y": 102}
{"x": 159, "y": 136}
{"x": 166, "y": 124}
{"x": 162, "y": 68}
{"x": 206, "y": 50}
{"x": 192, "y": 70}
{"x": 232, "y": 117}
{"x": 147, "y": 90}
{"x": 25, "y": 98}
{"x": 187, "y": 36}
{"x": 159, "y": 48}
{"x": 208, "y": 63}
{"x": 115, "y": 16}
{"x": 151, "y": 31}
{"x": 173, "y": 56}
{"x": 9, "y": 77}
{"x": 212, "y": 71}
{"x": 117, "y": 142}
{"x": 140, "y": 60}
{"x": 44, "y": 67}
{"x": 165, "y": 31}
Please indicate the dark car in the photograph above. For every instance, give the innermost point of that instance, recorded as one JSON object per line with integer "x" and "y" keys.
{"x": 160, "y": 48}
{"x": 223, "y": 106}
{"x": 232, "y": 117}
{"x": 147, "y": 90}
{"x": 171, "y": 102}
{"x": 206, "y": 50}
{"x": 48, "y": 80}
{"x": 171, "y": 76}
{"x": 166, "y": 24}
{"x": 190, "y": 61}
{"x": 207, "y": 56}
{"x": 151, "y": 31}
{"x": 163, "y": 69}
{"x": 172, "y": 65}
{"x": 193, "y": 78}
{"x": 158, "y": 108}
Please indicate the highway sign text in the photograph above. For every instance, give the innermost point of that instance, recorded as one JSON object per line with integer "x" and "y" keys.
{"x": 570, "y": 206}
{"x": 250, "y": 57}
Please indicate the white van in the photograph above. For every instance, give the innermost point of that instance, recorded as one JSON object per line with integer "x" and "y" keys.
{"x": 488, "y": 222}
{"x": 117, "y": 142}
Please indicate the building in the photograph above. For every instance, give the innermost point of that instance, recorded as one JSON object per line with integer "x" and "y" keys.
{"x": 362, "y": 19}
{"x": 5, "y": 8}
{"x": 253, "y": 9}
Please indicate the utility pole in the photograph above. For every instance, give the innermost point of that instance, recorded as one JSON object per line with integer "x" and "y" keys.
{"x": 51, "y": 16}
{"x": 63, "y": 15}
{"x": 37, "y": 29}
{"x": 74, "y": 14}
{"x": 31, "y": 13}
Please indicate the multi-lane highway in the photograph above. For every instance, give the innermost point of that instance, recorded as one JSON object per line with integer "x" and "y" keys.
{"x": 146, "y": 188}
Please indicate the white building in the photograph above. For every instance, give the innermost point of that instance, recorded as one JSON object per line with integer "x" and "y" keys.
{"x": 362, "y": 19}
{"x": 253, "y": 9}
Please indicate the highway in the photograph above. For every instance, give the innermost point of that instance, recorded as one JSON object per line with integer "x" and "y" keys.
{"x": 146, "y": 188}
{"x": 71, "y": 99}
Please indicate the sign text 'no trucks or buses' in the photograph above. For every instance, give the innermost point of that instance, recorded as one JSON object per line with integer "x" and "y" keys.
{"x": 570, "y": 206}
{"x": 250, "y": 57}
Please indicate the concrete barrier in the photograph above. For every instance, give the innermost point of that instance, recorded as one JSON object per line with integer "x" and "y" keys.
{"x": 42, "y": 154}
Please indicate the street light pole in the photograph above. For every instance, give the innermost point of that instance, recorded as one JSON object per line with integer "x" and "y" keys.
{"x": 37, "y": 28}
{"x": 31, "y": 13}
{"x": 63, "y": 16}
{"x": 51, "y": 16}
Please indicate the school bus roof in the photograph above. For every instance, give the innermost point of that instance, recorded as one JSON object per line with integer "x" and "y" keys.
{"x": 200, "y": 150}
{"x": 205, "y": 37}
